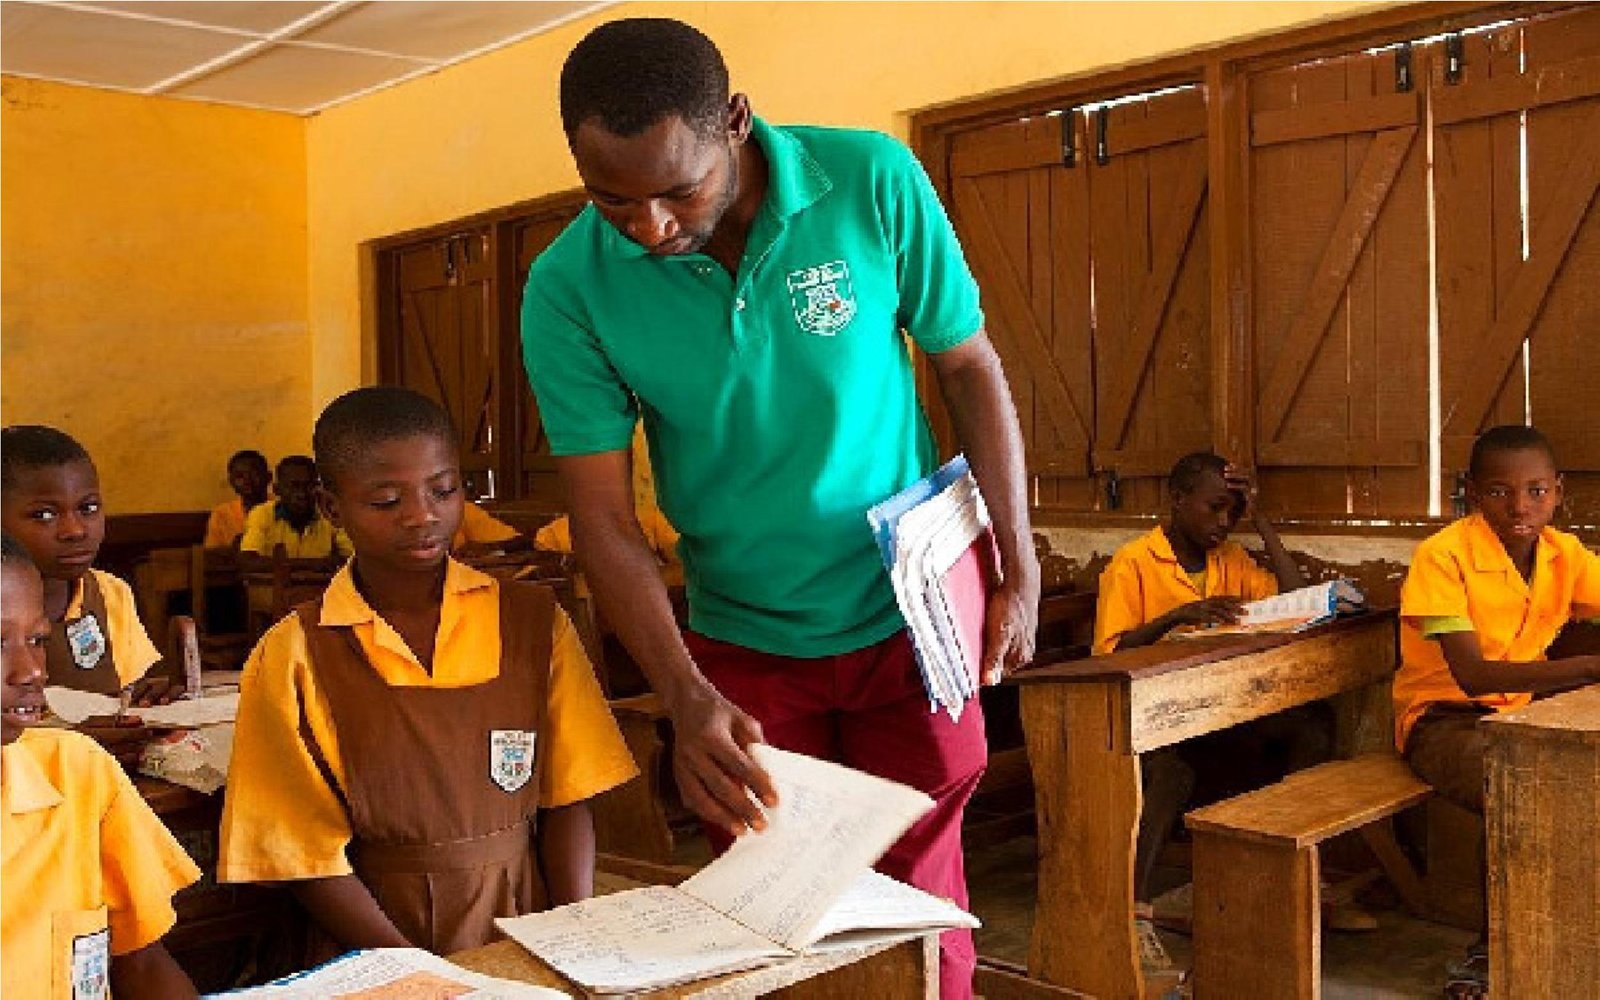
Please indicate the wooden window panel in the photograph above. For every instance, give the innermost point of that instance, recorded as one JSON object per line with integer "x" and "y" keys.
{"x": 1338, "y": 218}
{"x": 537, "y": 478}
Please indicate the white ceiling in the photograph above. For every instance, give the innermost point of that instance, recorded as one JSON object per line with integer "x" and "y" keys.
{"x": 274, "y": 54}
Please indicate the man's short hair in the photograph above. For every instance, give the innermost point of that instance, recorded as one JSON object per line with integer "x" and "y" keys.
{"x": 633, "y": 73}
{"x": 1507, "y": 437}
{"x": 1186, "y": 472}
{"x": 34, "y": 446}
{"x": 361, "y": 418}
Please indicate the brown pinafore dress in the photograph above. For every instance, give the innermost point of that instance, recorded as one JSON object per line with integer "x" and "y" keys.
{"x": 79, "y": 654}
{"x": 442, "y": 784}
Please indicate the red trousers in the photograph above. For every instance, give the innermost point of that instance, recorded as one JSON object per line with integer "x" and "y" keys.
{"x": 868, "y": 710}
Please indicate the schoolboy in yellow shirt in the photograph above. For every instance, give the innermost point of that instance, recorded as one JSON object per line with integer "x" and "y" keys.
{"x": 1482, "y": 601}
{"x": 415, "y": 751}
{"x": 50, "y": 503}
{"x": 250, "y": 477}
{"x": 482, "y": 532}
{"x": 89, "y": 872}
{"x": 293, "y": 521}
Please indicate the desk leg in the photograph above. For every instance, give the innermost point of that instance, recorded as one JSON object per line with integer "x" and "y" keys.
{"x": 1087, "y": 797}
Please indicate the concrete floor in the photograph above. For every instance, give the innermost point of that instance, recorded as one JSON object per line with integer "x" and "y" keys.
{"x": 1403, "y": 958}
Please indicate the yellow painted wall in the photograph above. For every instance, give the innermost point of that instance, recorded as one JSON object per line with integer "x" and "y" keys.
{"x": 153, "y": 285}
{"x": 486, "y": 133}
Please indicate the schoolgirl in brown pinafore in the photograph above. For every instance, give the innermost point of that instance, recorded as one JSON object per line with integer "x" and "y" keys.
{"x": 79, "y": 654}
{"x": 441, "y": 784}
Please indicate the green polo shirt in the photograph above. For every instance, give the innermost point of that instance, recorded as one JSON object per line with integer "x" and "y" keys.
{"x": 778, "y": 405}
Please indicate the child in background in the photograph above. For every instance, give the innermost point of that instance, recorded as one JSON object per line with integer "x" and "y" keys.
{"x": 249, "y": 476}
{"x": 50, "y": 503}
{"x": 294, "y": 521}
{"x": 1482, "y": 601}
{"x": 89, "y": 870}
{"x": 415, "y": 750}
{"x": 481, "y": 533}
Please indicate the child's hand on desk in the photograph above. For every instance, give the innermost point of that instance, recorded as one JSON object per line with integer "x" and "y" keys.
{"x": 1210, "y": 611}
{"x": 148, "y": 691}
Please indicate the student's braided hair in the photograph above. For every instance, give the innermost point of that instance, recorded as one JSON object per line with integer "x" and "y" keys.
{"x": 361, "y": 418}
{"x": 1507, "y": 437}
{"x": 633, "y": 73}
{"x": 34, "y": 446}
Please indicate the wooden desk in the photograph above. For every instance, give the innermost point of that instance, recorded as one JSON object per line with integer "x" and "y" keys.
{"x": 1542, "y": 769}
{"x": 905, "y": 971}
{"x": 1087, "y": 721}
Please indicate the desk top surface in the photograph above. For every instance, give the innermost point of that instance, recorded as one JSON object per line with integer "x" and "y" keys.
{"x": 1184, "y": 654}
{"x": 1575, "y": 714}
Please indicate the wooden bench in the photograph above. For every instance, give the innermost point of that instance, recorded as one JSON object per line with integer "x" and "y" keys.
{"x": 1257, "y": 912}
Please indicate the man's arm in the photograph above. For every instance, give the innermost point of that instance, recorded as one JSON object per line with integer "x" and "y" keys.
{"x": 344, "y": 907}
{"x": 1478, "y": 676}
{"x": 711, "y": 736}
{"x": 975, "y": 391}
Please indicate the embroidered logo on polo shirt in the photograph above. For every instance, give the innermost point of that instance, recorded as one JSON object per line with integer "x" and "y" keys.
{"x": 88, "y": 643}
{"x": 511, "y": 757}
{"x": 823, "y": 300}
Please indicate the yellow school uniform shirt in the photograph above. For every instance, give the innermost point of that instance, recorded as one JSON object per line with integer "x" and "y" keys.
{"x": 83, "y": 855}
{"x": 479, "y": 526}
{"x": 283, "y": 821}
{"x": 129, "y": 642}
{"x": 1144, "y": 581}
{"x": 1464, "y": 572}
{"x": 225, "y": 523}
{"x": 264, "y": 530}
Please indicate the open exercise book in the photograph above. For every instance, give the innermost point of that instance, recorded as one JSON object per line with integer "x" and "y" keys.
{"x": 392, "y": 974}
{"x": 935, "y": 539}
{"x": 803, "y": 885}
{"x": 1294, "y": 611}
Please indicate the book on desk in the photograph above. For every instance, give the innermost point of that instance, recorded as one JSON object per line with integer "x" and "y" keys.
{"x": 1294, "y": 611}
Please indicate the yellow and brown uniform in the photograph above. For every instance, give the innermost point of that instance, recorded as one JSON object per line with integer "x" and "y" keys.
{"x": 89, "y": 871}
{"x": 99, "y": 644}
{"x": 349, "y": 756}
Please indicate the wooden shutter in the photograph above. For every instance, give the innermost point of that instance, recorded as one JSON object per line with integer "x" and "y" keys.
{"x": 445, "y": 341}
{"x": 536, "y": 467}
{"x": 1023, "y": 220}
{"x": 1339, "y": 252}
{"x": 1492, "y": 301}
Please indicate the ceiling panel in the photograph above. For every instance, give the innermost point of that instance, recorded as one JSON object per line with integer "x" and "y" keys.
{"x": 436, "y": 30}
{"x": 261, "y": 16}
{"x": 84, "y": 47}
{"x": 294, "y": 78}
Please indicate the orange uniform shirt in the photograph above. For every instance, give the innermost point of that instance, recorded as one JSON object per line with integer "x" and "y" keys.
{"x": 1144, "y": 581}
{"x": 225, "y": 524}
{"x": 1464, "y": 572}
{"x": 89, "y": 871}
{"x": 478, "y": 526}
{"x": 282, "y": 820}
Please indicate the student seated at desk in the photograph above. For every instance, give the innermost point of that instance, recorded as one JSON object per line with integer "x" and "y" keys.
{"x": 415, "y": 749}
{"x": 481, "y": 533}
{"x": 90, "y": 872}
{"x": 658, "y": 531}
{"x": 51, "y": 505}
{"x": 293, "y": 522}
{"x": 1186, "y": 573}
{"x": 249, "y": 476}
{"x": 1482, "y": 601}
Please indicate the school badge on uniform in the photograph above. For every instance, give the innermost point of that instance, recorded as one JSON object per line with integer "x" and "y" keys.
{"x": 822, "y": 297}
{"x": 88, "y": 642}
{"x": 91, "y": 966}
{"x": 511, "y": 757}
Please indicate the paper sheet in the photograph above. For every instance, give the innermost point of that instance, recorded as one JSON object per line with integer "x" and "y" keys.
{"x": 831, "y": 824}
{"x": 394, "y": 974}
{"x": 876, "y": 902}
{"x": 640, "y": 939}
{"x": 73, "y": 706}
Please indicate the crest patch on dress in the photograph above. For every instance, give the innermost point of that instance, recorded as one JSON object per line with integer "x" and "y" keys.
{"x": 87, "y": 640}
{"x": 511, "y": 757}
{"x": 822, "y": 297}
{"x": 91, "y": 965}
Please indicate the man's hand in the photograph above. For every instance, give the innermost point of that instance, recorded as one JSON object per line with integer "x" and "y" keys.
{"x": 1211, "y": 611}
{"x": 148, "y": 691}
{"x": 711, "y": 761}
{"x": 1010, "y": 629}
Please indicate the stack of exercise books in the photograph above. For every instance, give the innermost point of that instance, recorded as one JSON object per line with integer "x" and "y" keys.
{"x": 936, "y": 541}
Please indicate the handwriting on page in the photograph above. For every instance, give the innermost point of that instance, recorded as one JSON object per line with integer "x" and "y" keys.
{"x": 830, "y": 825}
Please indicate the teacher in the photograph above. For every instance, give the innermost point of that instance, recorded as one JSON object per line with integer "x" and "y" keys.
{"x": 742, "y": 288}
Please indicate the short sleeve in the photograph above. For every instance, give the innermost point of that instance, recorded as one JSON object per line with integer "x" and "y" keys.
{"x": 1433, "y": 626}
{"x": 142, "y": 866}
{"x": 555, "y": 536}
{"x": 1258, "y": 583}
{"x": 1119, "y": 608}
{"x": 130, "y": 644}
{"x": 1586, "y": 586}
{"x": 256, "y": 523}
{"x": 483, "y": 527}
{"x": 584, "y": 406}
{"x": 586, "y": 752}
{"x": 938, "y": 295}
{"x": 280, "y": 818}
{"x": 1435, "y": 586}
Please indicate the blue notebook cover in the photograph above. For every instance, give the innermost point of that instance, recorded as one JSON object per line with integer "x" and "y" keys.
{"x": 886, "y": 515}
